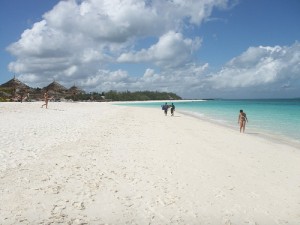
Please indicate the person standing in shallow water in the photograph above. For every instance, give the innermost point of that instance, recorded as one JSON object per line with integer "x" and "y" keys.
{"x": 242, "y": 121}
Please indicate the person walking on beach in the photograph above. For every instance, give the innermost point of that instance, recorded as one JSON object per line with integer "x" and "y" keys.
{"x": 165, "y": 107}
{"x": 46, "y": 99}
{"x": 172, "y": 109}
{"x": 242, "y": 121}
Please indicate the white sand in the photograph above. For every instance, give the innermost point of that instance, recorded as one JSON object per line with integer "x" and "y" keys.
{"x": 95, "y": 163}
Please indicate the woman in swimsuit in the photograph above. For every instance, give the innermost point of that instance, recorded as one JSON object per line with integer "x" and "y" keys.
{"x": 46, "y": 99}
{"x": 242, "y": 120}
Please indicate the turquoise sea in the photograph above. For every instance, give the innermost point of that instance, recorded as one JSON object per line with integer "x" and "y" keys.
{"x": 273, "y": 118}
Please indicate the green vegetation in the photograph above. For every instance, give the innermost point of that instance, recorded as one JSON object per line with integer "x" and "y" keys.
{"x": 15, "y": 90}
{"x": 125, "y": 96}
{"x": 140, "y": 96}
{"x": 3, "y": 99}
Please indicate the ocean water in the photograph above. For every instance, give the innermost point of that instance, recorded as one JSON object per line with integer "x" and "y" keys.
{"x": 274, "y": 118}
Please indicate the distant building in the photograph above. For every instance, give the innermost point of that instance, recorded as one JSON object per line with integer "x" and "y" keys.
{"x": 14, "y": 88}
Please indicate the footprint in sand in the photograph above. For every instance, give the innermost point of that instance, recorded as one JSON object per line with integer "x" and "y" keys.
{"x": 77, "y": 221}
{"x": 56, "y": 189}
{"x": 58, "y": 208}
{"x": 79, "y": 205}
{"x": 53, "y": 189}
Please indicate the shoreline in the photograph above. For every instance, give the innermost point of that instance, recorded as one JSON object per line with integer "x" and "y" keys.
{"x": 278, "y": 138}
{"x": 98, "y": 163}
{"x": 259, "y": 132}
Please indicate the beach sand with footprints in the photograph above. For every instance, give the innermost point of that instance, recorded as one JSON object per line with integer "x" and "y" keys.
{"x": 96, "y": 163}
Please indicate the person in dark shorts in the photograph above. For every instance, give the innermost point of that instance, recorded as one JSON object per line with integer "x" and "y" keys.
{"x": 172, "y": 109}
{"x": 165, "y": 107}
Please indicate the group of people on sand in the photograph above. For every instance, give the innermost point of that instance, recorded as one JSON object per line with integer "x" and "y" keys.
{"x": 242, "y": 119}
{"x": 166, "y": 107}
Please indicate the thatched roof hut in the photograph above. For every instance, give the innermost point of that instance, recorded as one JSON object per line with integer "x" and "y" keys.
{"x": 15, "y": 84}
{"x": 14, "y": 87}
{"x": 56, "y": 88}
{"x": 74, "y": 90}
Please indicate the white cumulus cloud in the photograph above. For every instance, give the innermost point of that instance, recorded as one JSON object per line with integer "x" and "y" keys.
{"x": 260, "y": 66}
{"x": 77, "y": 38}
{"x": 99, "y": 44}
{"x": 171, "y": 50}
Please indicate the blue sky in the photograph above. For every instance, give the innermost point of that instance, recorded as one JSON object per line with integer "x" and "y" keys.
{"x": 197, "y": 49}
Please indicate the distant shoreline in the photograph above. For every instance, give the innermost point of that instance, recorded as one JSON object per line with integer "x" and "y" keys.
{"x": 282, "y": 138}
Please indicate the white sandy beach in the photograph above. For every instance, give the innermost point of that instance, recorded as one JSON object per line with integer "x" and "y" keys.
{"x": 96, "y": 163}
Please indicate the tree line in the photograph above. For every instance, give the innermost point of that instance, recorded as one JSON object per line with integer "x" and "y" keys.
{"x": 125, "y": 96}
